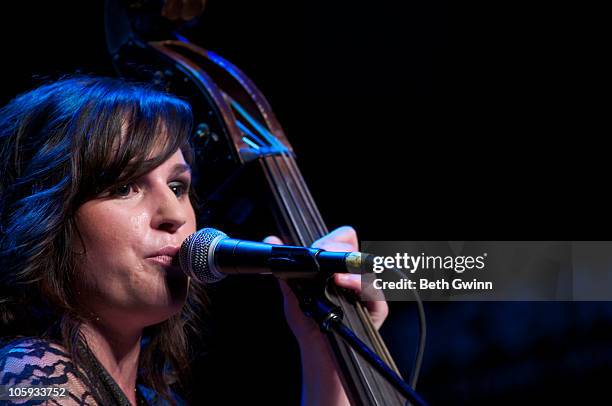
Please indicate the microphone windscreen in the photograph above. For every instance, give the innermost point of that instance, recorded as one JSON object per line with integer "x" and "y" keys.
{"x": 196, "y": 255}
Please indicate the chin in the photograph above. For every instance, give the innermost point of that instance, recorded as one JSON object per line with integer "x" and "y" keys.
{"x": 155, "y": 314}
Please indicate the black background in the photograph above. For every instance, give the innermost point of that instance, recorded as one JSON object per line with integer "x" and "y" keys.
{"x": 452, "y": 122}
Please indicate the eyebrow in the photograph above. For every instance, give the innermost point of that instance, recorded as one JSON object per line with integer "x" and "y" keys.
{"x": 179, "y": 168}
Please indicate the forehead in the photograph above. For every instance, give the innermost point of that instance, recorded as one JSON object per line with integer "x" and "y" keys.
{"x": 176, "y": 163}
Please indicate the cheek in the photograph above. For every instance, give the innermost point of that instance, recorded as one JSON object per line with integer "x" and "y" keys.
{"x": 139, "y": 221}
{"x": 109, "y": 236}
{"x": 191, "y": 224}
{"x": 103, "y": 229}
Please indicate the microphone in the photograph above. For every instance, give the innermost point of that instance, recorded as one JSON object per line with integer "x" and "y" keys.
{"x": 210, "y": 255}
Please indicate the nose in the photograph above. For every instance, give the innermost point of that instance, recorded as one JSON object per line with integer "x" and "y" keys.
{"x": 169, "y": 214}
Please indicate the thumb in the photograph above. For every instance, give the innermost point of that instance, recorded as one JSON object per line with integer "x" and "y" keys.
{"x": 272, "y": 239}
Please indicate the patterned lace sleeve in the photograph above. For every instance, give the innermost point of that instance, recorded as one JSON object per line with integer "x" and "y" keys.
{"x": 40, "y": 363}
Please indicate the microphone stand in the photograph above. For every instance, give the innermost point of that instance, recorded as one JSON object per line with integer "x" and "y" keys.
{"x": 329, "y": 318}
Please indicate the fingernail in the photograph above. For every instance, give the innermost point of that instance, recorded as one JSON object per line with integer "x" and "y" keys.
{"x": 348, "y": 277}
{"x": 343, "y": 277}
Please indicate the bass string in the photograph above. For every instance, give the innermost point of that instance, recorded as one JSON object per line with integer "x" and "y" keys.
{"x": 297, "y": 194}
{"x": 298, "y": 206}
{"x": 288, "y": 203}
{"x": 304, "y": 195}
{"x": 307, "y": 212}
{"x": 303, "y": 191}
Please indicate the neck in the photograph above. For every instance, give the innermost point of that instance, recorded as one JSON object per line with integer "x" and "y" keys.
{"x": 118, "y": 351}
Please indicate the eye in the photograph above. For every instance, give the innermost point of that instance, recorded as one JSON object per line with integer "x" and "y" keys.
{"x": 179, "y": 188}
{"x": 123, "y": 190}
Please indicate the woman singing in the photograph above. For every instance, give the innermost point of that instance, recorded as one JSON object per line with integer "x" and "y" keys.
{"x": 95, "y": 201}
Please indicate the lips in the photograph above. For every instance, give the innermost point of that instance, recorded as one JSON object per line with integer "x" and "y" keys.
{"x": 167, "y": 256}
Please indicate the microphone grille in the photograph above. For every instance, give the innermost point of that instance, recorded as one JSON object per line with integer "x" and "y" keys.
{"x": 195, "y": 255}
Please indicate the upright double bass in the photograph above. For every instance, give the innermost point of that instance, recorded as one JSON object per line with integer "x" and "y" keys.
{"x": 245, "y": 161}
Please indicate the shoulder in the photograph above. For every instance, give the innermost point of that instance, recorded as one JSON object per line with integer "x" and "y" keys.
{"x": 31, "y": 360}
{"x": 21, "y": 359}
{"x": 32, "y": 346}
{"x": 39, "y": 362}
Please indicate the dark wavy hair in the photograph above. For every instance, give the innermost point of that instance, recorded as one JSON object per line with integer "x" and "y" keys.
{"x": 61, "y": 145}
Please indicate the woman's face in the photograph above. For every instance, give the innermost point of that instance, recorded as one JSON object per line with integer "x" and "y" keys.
{"x": 130, "y": 237}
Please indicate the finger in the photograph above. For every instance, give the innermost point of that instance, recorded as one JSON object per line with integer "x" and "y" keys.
{"x": 354, "y": 282}
{"x": 349, "y": 281}
{"x": 375, "y": 304}
{"x": 378, "y": 312}
{"x": 272, "y": 239}
{"x": 344, "y": 234}
{"x": 379, "y": 309}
